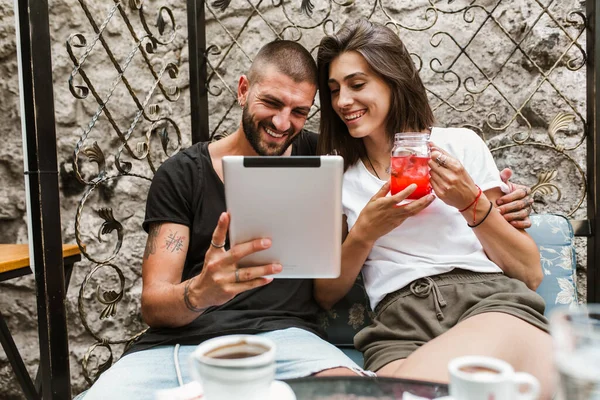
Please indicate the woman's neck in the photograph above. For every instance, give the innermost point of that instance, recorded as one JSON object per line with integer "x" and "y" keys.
{"x": 378, "y": 150}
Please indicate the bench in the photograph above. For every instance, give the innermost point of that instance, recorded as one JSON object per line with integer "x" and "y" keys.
{"x": 553, "y": 235}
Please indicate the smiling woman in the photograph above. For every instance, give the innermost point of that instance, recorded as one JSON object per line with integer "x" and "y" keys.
{"x": 445, "y": 276}
{"x": 359, "y": 96}
{"x": 372, "y": 81}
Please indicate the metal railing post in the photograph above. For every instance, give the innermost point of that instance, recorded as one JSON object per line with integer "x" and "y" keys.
{"x": 198, "y": 71}
{"x": 41, "y": 177}
{"x": 593, "y": 166}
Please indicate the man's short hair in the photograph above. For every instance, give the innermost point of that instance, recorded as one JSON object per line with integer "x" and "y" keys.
{"x": 290, "y": 58}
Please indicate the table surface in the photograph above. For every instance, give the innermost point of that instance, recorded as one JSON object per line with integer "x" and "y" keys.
{"x": 15, "y": 256}
{"x": 358, "y": 388}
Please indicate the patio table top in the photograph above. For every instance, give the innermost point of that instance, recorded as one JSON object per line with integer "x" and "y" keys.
{"x": 361, "y": 388}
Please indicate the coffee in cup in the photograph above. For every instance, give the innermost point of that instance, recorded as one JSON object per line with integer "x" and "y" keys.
{"x": 235, "y": 367}
{"x": 479, "y": 370}
{"x": 240, "y": 349}
{"x": 484, "y": 378}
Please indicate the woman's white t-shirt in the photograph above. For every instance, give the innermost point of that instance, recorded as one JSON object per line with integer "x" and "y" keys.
{"x": 434, "y": 241}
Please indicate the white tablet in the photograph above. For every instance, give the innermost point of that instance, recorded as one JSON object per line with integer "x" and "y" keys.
{"x": 295, "y": 201}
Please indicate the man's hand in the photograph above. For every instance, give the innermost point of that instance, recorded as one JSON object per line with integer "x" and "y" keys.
{"x": 221, "y": 279}
{"x": 516, "y": 205}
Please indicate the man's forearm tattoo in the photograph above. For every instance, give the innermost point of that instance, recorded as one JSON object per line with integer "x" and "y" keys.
{"x": 174, "y": 243}
{"x": 186, "y": 298}
{"x": 152, "y": 239}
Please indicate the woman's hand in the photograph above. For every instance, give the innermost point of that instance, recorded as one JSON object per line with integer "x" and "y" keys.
{"x": 382, "y": 214}
{"x": 450, "y": 181}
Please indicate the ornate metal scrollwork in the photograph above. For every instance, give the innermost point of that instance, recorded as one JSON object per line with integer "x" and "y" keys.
{"x": 101, "y": 367}
{"x": 468, "y": 82}
{"x": 119, "y": 150}
{"x": 109, "y": 298}
{"x": 544, "y": 186}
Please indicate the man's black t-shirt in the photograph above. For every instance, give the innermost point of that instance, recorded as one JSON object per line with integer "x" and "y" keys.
{"x": 186, "y": 190}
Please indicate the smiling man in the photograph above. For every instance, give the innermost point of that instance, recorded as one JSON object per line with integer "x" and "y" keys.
{"x": 195, "y": 292}
{"x": 276, "y": 105}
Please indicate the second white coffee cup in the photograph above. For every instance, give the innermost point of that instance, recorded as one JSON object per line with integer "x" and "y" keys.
{"x": 484, "y": 378}
{"x": 235, "y": 367}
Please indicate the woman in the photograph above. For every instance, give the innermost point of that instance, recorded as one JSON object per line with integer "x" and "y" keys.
{"x": 442, "y": 282}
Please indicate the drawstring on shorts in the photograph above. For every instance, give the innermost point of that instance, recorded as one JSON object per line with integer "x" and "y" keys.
{"x": 423, "y": 287}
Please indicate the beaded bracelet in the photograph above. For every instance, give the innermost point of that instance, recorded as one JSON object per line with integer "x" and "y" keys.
{"x": 474, "y": 201}
{"x": 484, "y": 217}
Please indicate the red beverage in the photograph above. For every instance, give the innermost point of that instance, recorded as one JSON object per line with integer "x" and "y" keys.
{"x": 410, "y": 169}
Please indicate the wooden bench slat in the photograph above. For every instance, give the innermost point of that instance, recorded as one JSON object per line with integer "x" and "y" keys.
{"x": 16, "y": 256}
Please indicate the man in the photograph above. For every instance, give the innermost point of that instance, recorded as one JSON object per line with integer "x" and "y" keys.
{"x": 192, "y": 288}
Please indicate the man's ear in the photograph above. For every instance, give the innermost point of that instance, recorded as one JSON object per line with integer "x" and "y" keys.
{"x": 243, "y": 89}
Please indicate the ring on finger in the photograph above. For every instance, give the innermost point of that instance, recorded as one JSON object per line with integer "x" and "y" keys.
{"x": 218, "y": 246}
{"x": 441, "y": 160}
{"x": 237, "y": 276}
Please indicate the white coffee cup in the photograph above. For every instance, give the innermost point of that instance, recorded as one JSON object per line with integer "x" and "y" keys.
{"x": 485, "y": 378}
{"x": 235, "y": 367}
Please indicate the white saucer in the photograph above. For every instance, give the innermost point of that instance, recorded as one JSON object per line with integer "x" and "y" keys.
{"x": 193, "y": 391}
{"x": 281, "y": 391}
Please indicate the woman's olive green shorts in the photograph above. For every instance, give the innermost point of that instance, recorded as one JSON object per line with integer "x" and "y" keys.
{"x": 412, "y": 316}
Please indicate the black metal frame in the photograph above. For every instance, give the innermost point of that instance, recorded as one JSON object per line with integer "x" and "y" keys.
{"x": 41, "y": 172}
{"x": 593, "y": 151}
{"x": 198, "y": 71}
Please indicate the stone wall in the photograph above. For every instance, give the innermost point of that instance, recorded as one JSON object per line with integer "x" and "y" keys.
{"x": 518, "y": 101}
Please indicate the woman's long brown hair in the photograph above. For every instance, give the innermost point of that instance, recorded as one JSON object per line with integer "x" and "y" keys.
{"x": 387, "y": 57}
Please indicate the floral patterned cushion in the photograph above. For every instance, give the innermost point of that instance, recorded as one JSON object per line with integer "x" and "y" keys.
{"x": 348, "y": 316}
{"x": 554, "y": 237}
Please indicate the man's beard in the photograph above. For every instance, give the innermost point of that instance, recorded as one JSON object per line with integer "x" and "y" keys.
{"x": 253, "y": 136}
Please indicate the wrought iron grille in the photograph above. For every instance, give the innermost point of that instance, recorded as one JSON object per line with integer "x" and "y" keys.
{"x": 126, "y": 77}
{"x": 511, "y": 71}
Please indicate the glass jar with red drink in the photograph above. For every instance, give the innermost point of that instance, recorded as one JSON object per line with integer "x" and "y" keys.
{"x": 410, "y": 163}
